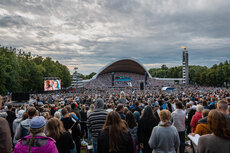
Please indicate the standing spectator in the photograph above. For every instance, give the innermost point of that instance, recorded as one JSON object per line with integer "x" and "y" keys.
{"x": 96, "y": 121}
{"x": 147, "y": 122}
{"x": 37, "y": 142}
{"x": 164, "y": 138}
{"x": 132, "y": 126}
{"x": 190, "y": 115}
{"x": 10, "y": 118}
{"x": 122, "y": 99}
{"x": 222, "y": 106}
{"x": 219, "y": 141}
{"x": 91, "y": 108}
{"x": 71, "y": 126}
{"x": 56, "y": 130}
{"x": 178, "y": 117}
{"x": 196, "y": 117}
{"x": 115, "y": 138}
{"x": 23, "y": 128}
{"x": 120, "y": 110}
{"x": 83, "y": 123}
{"x": 202, "y": 126}
{"x": 5, "y": 136}
{"x": 17, "y": 121}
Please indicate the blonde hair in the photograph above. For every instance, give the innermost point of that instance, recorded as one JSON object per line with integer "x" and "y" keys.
{"x": 165, "y": 116}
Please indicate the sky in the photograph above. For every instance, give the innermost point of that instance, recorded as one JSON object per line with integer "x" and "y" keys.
{"x": 92, "y": 33}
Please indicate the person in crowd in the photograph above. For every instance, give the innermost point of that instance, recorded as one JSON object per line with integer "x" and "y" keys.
{"x": 5, "y": 136}
{"x": 96, "y": 121}
{"x": 23, "y": 128}
{"x": 202, "y": 125}
{"x": 120, "y": 110}
{"x": 11, "y": 116}
{"x": 205, "y": 104}
{"x": 190, "y": 115}
{"x": 136, "y": 116}
{"x": 165, "y": 137}
{"x": 115, "y": 138}
{"x": 37, "y": 142}
{"x": 63, "y": 138}
{"x": 145, "y": 125}
{"x": 75, "y": 109}
{"x": 57, "y": 115}
{"x": 222, "y": 106}
{"x": 91, "y": 108}
{"x": 83, "y": 114}
{"x": 219, "y": 140}
{"x": 196, "y": 117}
{"x": 72, "y": 127}
{"x": 17, "y": 121}
{"x": 122, "y": 99}
{"x": 136, "y": 107}
{"x": 178, "y": 117}
{"x": 132, "y": 126}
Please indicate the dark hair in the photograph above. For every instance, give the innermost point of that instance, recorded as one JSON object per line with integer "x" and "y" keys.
{"x": 130, "y": 120}
{"x": 148, "y": 113}
{"x": 179, "y": 105}
{"x": 119, "y": 107}
{"x": 9, "y": 106}
{"x": 116, "y": 127}
{"x": 64, "y": 111}
{"x": 218, "y": 124}
{"x": 204, "y": 103}
{"x": 32, "y": 111}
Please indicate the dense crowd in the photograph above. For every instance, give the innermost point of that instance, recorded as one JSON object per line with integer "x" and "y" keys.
{"x": 105, "y": 81}
{"x": 115, "y": 121}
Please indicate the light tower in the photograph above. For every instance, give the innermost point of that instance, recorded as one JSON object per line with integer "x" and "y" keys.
{"x": 185, "y": 68}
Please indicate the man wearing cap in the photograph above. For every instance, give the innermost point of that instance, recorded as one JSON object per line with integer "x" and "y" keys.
{"x": 36, "y": 142}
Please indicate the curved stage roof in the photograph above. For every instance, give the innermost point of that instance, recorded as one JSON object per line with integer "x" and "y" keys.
{"x": 124, "y": 65}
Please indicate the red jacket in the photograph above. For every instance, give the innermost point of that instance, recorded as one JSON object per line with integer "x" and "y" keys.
{"x": 196, "y": 117}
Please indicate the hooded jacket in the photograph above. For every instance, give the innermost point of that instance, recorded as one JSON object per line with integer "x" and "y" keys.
{"x": 97, "y": 118}
{"x": 41, "y": 144}
{"x": 23, "y": 129}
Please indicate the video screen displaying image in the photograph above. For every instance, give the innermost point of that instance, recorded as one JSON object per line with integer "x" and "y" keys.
{"x": 50, "y": 85}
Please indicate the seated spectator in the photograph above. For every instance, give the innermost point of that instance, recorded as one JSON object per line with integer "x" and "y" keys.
{"x": 115, "y": 138}
{"x": 37, "y": 142}
{"x": 219, "y": 140}
{"x": 196, "y": 117}
{"x": 202, "y": 126}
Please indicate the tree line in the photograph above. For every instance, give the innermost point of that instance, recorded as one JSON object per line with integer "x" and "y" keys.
{"x": 20, "y": 72}
{"x": 217, "y": 75}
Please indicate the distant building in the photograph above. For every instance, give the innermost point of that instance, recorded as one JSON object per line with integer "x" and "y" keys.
{"x": 77, "y": 81}
{"x": 185, "y": 67}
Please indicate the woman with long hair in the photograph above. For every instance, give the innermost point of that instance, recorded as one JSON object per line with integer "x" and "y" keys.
{"x": 145, "y": 125}
{"x": 164, "y": 137}
{"x": 132, "y": 125}
{"x": 37, "y": 142}
{"x": 56, "y": 130}
{"x": 219, "y": 140}
{"x": 114, "y": 137}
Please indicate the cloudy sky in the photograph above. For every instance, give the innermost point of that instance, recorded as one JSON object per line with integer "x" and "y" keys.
{"x": 92, "y": 33}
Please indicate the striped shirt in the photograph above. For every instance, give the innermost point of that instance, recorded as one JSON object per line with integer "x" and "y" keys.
{"x": 96, "y": 121}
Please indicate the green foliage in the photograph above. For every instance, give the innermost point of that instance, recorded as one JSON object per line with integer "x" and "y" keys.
{"x": 22, "y": 72}
{"x": 87, "y": 77}
{"x": 217, "y": 75}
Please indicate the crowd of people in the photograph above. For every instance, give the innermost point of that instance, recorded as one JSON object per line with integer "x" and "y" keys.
{"x": 105, "y": 81}
{"x": 115, "y": 121}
